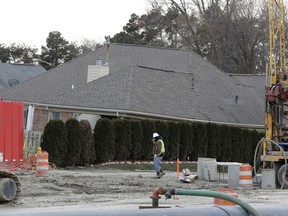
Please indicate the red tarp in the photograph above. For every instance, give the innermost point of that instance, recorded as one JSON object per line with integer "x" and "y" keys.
{"x": 11, "y": 131}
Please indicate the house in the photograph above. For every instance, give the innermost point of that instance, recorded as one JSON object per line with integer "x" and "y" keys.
{"x": 129, "y": 81}
{"x": 13, "y": 74}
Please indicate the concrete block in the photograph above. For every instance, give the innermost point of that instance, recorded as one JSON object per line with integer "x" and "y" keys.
{"x": 268, "y": 179}
{"x": 233, "y": 175}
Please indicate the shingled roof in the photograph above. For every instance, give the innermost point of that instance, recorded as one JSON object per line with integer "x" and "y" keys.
{"x": 11, "y": 74}
{"x": 149, "y": 81}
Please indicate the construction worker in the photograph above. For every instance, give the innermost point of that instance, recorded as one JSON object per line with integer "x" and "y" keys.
{"x": 158, "y": 152}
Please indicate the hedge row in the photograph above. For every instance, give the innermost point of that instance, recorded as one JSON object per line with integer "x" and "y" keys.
{"x": 69, "y": 144}
{"x": 132, "y": 140}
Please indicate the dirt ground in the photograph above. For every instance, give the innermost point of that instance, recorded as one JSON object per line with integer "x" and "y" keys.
{"x": 113, "y": 189}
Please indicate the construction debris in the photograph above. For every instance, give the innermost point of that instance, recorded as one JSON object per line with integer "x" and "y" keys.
{"x": 186, "y": 176}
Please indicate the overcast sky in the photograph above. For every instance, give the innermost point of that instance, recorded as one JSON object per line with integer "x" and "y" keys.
{"x": 30, "y": 21}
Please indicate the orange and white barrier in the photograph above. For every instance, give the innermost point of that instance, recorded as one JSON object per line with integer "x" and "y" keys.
{"x": 245, "y": 176}
{"x": 229, "y": 191}
{"x": 42, "y": 164}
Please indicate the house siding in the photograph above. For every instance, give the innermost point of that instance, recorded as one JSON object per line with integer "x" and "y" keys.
{"x": 91, "y": 118}
{"x": 96, "y": 72}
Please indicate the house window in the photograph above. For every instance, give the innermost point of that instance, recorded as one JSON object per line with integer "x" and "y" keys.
{"x": 54, "y": 115}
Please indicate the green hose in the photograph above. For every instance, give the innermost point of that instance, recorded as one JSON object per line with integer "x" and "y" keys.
{"x": 219, "y": 195}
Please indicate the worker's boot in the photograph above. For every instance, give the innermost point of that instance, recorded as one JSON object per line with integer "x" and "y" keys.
{"x": 158, "y": 176}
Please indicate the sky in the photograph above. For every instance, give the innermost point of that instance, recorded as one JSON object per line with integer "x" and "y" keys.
{"x": 30, "y": 21}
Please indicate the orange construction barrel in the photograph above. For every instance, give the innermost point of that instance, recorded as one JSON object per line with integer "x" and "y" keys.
{"x": 229, "y": 191}
{"x": 245, "y": 176}
{"x": 42, "y": 163}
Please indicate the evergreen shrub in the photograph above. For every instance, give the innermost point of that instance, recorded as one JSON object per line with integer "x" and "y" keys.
{"x": 88, "y": 155}
{"x": 226, "y": 140}
{"x": 185, "y": 141}
{"x": 73, "y": 142}
{"x": 55, "y": 142}
{"x": 173, "y": 144}
{"x": 104, "y": 138}
{"x": 212, "y": 139}
{"x": 136, "y": 140}
{"x": 148, "y": 129}
{"x": 122, "y": 131}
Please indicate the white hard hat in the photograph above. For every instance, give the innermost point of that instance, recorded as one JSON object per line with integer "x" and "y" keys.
{"x": 155, "y": 135}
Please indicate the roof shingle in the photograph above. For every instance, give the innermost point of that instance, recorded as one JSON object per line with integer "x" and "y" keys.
{"x": 150, "y": 80}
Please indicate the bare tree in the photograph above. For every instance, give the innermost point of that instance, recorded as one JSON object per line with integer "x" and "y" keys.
{"x": 231, "y": 34}
{"x": 87, "y": 45}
